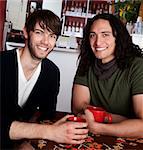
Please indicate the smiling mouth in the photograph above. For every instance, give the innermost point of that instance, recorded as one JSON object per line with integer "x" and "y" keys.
{"x": 43, "y": 48}
{"x": 100, "y": 49}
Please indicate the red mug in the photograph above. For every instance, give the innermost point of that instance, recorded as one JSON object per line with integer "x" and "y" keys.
{"x": 100, "y": 115}
{"x": 76, "y": 119}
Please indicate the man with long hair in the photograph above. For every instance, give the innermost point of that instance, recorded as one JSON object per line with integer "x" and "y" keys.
{"x": 110, "y": 75}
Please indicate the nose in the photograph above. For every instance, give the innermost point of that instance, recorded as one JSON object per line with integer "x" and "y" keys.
{"x": 98, "y": 40}
{"x": 45, "y": 39}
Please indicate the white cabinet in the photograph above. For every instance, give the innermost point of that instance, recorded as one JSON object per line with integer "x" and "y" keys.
{"x": 67, "y": 63}
{"x": 16, "y": 13}
{"x": 53, "y": 5}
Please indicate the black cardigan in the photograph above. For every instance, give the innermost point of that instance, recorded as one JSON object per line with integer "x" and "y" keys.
{"x": 43, "y": 96}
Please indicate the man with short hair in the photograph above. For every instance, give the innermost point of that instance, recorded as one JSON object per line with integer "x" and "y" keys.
{"x": 30, "y": 83}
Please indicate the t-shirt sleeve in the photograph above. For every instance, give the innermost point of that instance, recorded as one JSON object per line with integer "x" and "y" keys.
{"x": 82, "y": 80}
{"x": 137, "y": 77}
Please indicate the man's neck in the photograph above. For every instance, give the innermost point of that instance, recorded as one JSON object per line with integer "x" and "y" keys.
{"x": 29, "y": 64}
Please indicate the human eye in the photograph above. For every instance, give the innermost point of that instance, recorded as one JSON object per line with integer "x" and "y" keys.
{"x": 92, "y": 35}
{"x": 53, "y": 36}
{"x": 38, "y": 32}
{"x": 106, "y": 34}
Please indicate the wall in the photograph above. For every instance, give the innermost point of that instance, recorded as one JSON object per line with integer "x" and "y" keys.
{"x": 67, "y": 63}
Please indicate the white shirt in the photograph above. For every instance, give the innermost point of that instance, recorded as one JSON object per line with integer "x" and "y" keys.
{"x": 25, "y": 86}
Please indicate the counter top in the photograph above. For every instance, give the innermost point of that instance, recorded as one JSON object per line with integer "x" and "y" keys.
{"x": 66, "y": 50}
{"x": 12, "y": 45}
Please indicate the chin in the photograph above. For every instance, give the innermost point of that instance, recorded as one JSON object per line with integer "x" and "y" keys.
{"x": 98, "y": 57}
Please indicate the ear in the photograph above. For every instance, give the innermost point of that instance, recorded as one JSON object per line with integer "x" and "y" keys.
{"x": 25, "y": 33}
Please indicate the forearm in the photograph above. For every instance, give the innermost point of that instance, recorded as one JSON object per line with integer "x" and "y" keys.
{"x": 20, "y": 130}
{"x": 118, "y": 118}
{"x": 127, "y": 128}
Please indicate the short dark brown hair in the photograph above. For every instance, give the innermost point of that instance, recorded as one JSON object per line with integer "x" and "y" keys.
{"x": 46, "y": 19}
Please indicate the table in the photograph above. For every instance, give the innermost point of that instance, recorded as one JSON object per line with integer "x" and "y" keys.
{"x": 93, "y": 142}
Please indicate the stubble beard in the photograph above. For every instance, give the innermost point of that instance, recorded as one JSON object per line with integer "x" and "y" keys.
{"x": 32, "y": 52}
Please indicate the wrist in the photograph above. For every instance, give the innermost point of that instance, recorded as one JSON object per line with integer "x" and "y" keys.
{"x": 47, "y": 132}
{"x": 100, "y": 128}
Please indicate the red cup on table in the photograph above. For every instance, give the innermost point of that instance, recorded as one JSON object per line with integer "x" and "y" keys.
{"x": 100, "y": 115}
{"x": 76, "y": 119}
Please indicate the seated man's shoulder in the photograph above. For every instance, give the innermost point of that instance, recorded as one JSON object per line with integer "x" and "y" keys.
{"x": 7, "y": 53}
{"x": 138, "y": 61}
{"x": 137, "y": 64}
{"x": 49, "y": 64}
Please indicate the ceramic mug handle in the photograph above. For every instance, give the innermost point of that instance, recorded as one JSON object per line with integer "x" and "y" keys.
{"x": 109, "y": 117}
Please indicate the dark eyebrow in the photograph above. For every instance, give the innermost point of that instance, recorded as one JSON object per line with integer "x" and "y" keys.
{"x": 42, "y": 30}
{"x": 52, "y": 33}
{"x": 101, "y": 32}
{"x": 38, "y": 30}
{"x": 106, "y": 32}
{"x": 91, "y": 32}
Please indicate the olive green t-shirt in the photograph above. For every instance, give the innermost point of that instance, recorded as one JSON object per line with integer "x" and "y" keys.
{"x": 115, "y": 93}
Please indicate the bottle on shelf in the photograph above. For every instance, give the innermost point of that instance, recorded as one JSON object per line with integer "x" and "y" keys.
{"x": 90, "y": 10}
{"x": 66, "y": 27}
{"x": 77, "y": 27}
{"x": 79, "y": 9}
{"x": 101, "y": 8}
{"x": 81, "y": 29}
{"x": 106, "y": 9}
{"x": 67, "y": 10}
{"x": 73, "y": 28}
{"x": 94, "y": 9}
{"x": 139, "y": 25}
{"x": 84, "y": 9}
{"x": 98, "y": 9}
{"x": 76, "y": 7}
{"x": 72, "y": 6}
{"x": 69, "y": 30}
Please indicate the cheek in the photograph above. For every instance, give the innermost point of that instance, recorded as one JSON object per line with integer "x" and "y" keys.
{"x": 112, "y": 46}
{"x": 92, "y": 44}
{"x": 52, "y": 43}
{"x": 32, "y": 40}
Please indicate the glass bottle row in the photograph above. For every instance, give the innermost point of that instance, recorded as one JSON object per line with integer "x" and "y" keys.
{"x": 73, "y": 28}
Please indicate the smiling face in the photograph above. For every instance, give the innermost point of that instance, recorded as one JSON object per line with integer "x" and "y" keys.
{"x": 102, "y": 40}
{"x": 40, "y": 42}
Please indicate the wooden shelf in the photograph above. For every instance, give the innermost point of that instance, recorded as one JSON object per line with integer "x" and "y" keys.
{"x": 76, "y": 12}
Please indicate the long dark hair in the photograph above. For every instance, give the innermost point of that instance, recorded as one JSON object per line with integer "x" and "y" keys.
{"x": 124, "y": 49}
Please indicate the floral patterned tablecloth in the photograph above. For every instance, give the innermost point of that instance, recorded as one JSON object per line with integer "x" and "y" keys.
{"x": 93, "y": 142}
